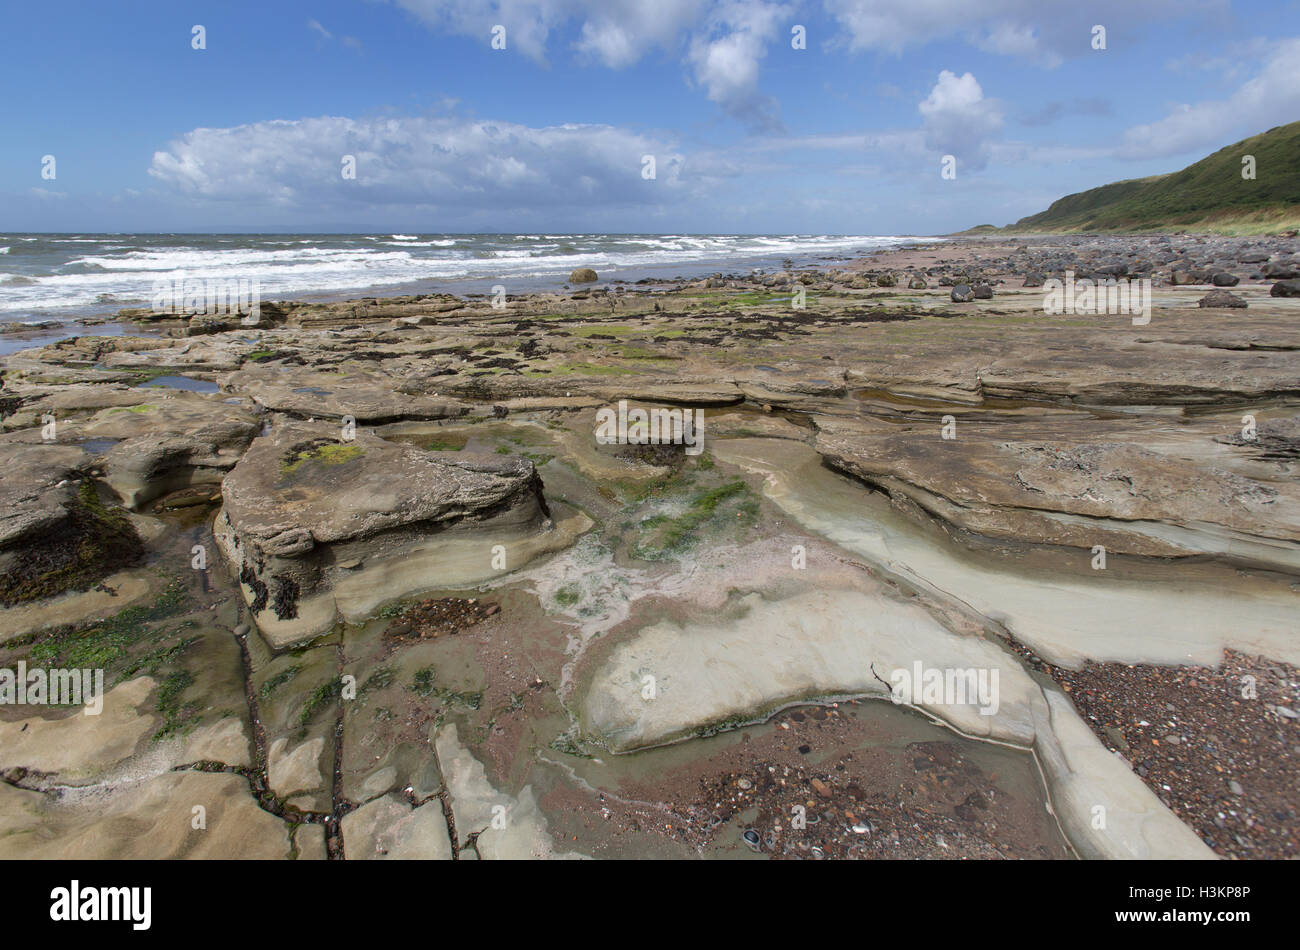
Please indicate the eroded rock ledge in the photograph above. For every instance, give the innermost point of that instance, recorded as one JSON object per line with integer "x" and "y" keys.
{"x": 316, "y": 527}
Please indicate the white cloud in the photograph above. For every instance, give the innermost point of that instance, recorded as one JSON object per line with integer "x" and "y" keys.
{"x": 315, "y": 26}
{"x": 1270, "y": 98}
{"x": 528, "y": 23}
{"x": 619, "y": 32}
{"x": 447, "y": 163}
{"x": 722, "y": 42}
{"x": 726, "y": 59}
{"x": 1030, "y": 29}
{"x": 959, "y": 120}
{"x": 1011, "y": 39}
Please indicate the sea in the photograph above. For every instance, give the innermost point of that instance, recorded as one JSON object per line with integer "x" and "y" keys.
{"x": 86, "y": 278}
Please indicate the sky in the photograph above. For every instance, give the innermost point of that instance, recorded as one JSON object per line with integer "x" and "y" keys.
{"x": 661, "y": 116}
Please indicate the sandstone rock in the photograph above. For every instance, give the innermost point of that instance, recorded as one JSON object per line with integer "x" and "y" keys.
{"x": 476, "y": 805}
{"x": 368, "y": 396}
{"x": 144, "y": 820}
{"x": 37, "y": 485}
{"x": 582, "y": 275}
{"x": 56, "y": 534}
{"x": 1071, "y": 483}
{"x": 144, "y": 468}
{"x": 300, "y": 502}
{"x": 389, "y": 828}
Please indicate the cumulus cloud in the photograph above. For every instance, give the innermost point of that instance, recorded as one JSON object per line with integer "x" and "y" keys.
{"x": 958, "y": 119}
{"x": 726, "y": 60}
{"x": 449, "y": 164}
{"x": 1270, "y": 98}
{"x": 723, "y": 42}
{"x": 617, "y": 33}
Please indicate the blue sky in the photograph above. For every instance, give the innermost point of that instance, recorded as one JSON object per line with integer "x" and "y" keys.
{"x": 549, "y": 134}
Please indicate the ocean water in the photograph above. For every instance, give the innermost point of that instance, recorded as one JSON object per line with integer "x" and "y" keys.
{"x": 67, "y": 276}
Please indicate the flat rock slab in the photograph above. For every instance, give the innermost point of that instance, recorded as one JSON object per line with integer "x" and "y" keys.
{"x": 369, "y": 397}
{"x": 389, "y": 828}
{"x": 508, "y": 827}
{"x": 1135, "y": 486}
{"x": 146, "y": 820}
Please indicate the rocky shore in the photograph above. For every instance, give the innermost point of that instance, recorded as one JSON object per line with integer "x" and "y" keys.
{"x": 275, "y": 533}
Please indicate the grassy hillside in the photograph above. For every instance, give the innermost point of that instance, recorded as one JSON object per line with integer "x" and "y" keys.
{"x": 1210, "y": 195}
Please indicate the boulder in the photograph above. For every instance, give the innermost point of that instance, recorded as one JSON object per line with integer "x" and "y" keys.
{"x": 917, "y": 283}
{"x": 1282, "y": 270}
{"x": 1221, "y": 298}
{"x": 1033, "y": 280}
{"x": 1224, "y": 279}
{"x": 962, "y": 294}
{"x": 582, "y": 275}
{"x": 983, "y": 292}
{"x": 1285, "y": 288}
{"x": 886, "y": 280}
